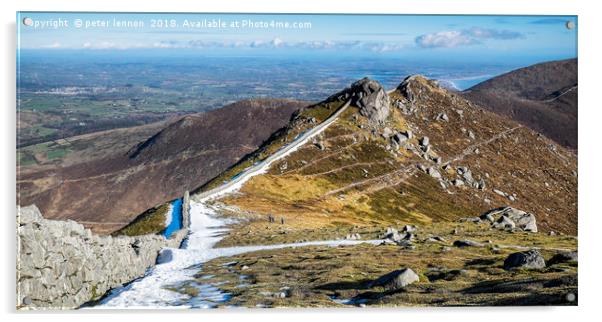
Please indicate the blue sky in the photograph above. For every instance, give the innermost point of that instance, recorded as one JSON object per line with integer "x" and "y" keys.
{"x": 461, "y": 38}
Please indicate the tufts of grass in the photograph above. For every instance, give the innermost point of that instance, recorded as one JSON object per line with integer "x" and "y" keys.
{"x": 448, "y": 276}
{"x": 151, "y": 221}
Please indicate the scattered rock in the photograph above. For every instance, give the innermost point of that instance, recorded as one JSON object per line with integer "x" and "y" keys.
{"x": 409, "y": 228}
{"x": 457, "y": 182}
{"x": 531, "y": 259}
{"x": 437, "y": 239}
{"x": 522, "y": 219}
{"x": 283, "y": 166}
{"x": 394, "y": 236}
{"x": 499, "y": 192}
{"x": 355, "y": 236}
{"x": 467, "y": 243}
{"x": 564, "y": 257}
{"x": 481, "y": 184}
{"x": 386, "y": 133}
{"x": 424, "y": 141}
{"x": 442, "y": 117}
{"x": 399, "y": 138}
{"x": 396, "y": 280}
{"x": 433, "y": 173}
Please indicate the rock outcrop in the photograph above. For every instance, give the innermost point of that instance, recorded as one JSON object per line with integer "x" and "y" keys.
{"x": 415, "y": 86}
{"x": 370, "y": 96}
{"x": 62, "y": 265}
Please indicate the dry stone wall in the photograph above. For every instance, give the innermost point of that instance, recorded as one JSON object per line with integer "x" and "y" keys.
{"x": 62, "y": 265}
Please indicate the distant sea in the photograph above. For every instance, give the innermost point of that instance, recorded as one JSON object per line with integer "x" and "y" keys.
{"x": 233, "y": 78}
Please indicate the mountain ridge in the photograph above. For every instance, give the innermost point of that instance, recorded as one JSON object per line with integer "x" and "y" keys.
{"x": 541, "y": 96}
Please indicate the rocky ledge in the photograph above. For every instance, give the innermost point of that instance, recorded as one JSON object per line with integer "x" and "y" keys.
{"x": 62, "y": 265}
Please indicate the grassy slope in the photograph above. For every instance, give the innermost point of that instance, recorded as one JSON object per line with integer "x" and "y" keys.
{"x": 449, "y": 275}
{"x": 151, "y": 221}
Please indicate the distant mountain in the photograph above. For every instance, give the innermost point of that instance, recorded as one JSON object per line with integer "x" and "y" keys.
{"x": 542, "y": 96}
{"x": 418, "y": 155}
{"x": 111, "y": 180}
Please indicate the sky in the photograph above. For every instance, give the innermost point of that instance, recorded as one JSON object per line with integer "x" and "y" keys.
{"x": 454, "y": 38}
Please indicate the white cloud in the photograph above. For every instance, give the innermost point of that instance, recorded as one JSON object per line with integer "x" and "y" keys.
{"x": 466, "y": 37}
{"x": 445, "y": 39}
{"x": 53, "y": 45}
{"x": 113, "y": 45}
{"x": 274, "y": 43}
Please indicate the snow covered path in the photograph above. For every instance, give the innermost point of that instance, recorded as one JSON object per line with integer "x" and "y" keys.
{"x": 205, "y": 231}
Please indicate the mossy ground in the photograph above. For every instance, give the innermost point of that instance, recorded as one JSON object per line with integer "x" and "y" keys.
{"x": 151, "y": 221}
{"x": 449, "y": 276}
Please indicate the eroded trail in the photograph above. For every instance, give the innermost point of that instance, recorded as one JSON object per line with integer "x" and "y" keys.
{"x": 153, "y": 290}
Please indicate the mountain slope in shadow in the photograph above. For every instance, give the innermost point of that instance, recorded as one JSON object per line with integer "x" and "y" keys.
{"x": 541, "y": 96}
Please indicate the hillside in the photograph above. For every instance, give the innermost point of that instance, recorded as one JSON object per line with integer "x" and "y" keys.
{"x": 105, "y": 180}
{"x": 542, "y": 97}
{"x": 415, "y": 194}
{"x": 426, "y": 155}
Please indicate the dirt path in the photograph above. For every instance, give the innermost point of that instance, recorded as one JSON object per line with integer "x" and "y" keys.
{"x": 314, "y": 161}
